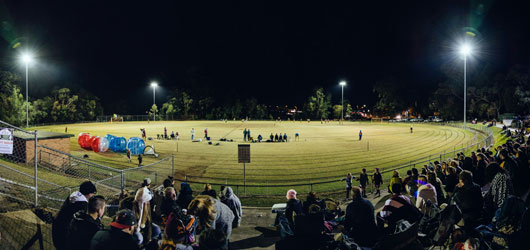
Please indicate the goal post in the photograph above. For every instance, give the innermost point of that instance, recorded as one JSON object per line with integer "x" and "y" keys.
{"x": 376, "y": 120}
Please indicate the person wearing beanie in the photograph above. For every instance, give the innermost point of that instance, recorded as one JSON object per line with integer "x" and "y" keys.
{"x": 119, "y": 235}
{"x": 76, "y": 202}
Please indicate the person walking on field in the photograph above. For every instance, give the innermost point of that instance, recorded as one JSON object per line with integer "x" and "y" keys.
{"x": 140, "y": 160}
{"x": 360, "y": 135}
{"x": 411, "y": 129}
{"x": 192, "y": 133}
{"x": 363, "y": 179}
{"x": 129, "y": 155}
{"x": 377, "y": 181}
{"x": 348, "y": 179}
{"x": 245, "y": 135}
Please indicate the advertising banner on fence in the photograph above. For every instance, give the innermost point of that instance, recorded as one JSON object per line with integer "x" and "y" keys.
{"x": 6, "y": 141}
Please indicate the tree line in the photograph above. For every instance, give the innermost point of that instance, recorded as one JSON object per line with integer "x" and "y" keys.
{"x": 61, "y": 105}
{"x": 489, "y": 94}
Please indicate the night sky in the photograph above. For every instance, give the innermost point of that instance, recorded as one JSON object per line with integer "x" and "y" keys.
{"x": 276, "y": 51}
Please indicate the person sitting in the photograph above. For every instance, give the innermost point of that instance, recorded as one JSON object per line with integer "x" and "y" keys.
{"x": 312, "y": 198}
{"x": 276, "y": 138}
{"x": 272, "y": 137}
{"x": 359, "y": 223}
{"x": 179, "y": 232}
{"x": 77, "y": 201}
{"x": 85, "y": 225}
{"x": 398, "y": 207}
{"x": 172, "y": 135}
{"x": 185, "y": 195}
{"x": 169, "y": 204}
{"x": 284, "y": 136}
{"x": 426, "y": 193}
{"x": 468, "y": 197}
{"x": 119, "y": 235}
{"x": 260, "y": 138}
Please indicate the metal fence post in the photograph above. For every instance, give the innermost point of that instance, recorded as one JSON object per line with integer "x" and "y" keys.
{"x": 36, "y": 178}
{"x": 172, "y": 165}
{"x": 156, "y": 177}
{"x": 122, "y": 181}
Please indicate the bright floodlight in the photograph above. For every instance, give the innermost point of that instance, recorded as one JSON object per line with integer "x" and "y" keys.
{"x": 154, "y": 84}
{"x": 465, "y": 49}
{"x": 342, "y": 83}
{"x": 26, "y": 58}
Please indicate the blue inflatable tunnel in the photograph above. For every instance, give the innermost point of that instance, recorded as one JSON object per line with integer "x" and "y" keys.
{"x": 136, "y": 145}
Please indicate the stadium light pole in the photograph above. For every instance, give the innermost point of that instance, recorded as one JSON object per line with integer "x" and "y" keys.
{"x": 342, "y": 84}
{"x": 27, "y": 58}
{"x": 465, "y": 50}
{"x": 154, "y": 85}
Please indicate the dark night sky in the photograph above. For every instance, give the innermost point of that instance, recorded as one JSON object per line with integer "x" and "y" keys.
{"x": 275, "y": 51}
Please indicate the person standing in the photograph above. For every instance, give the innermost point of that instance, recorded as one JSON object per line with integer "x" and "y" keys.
{"x": 363, "y": 179}
{"x": 192, "y": 133}
{"x": 206, "y": 133}
{"x": 140, "y": 159}
{"x": 411, "y": 129}
{"x": 377, "y": 181}
{"x": 245, "y": 135}
{"x": 348, "y": 179}
{"x": 360, "y": 135}
{"x": 165, "y": 133}
{"x": 233, "y": 202}
{"x": 248, "y": 134}
{"x": 129, "y": 155}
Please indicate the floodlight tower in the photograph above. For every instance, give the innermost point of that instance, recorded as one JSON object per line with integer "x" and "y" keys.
{"x": 154, "y": 85}
{"x": 465, "y": 50}
{"x": 27, "y": 58}
{"x": 342, "y": 84}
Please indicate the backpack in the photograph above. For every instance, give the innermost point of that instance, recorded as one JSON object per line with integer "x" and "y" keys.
{"x": 449, "y": 217}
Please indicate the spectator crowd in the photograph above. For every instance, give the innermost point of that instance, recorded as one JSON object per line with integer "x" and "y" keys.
{"x": 474, "y": 201}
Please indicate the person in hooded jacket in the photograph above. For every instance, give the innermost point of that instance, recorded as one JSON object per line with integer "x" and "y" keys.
{"x": 185, "y": 195}
{"x": 232, "y": 201}
{"x": 76, "y": 202}
{"x": 85, "y": 225}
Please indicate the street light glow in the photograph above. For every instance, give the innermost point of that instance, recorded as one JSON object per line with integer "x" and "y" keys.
{"x": 27, "y": 58}
{"x": 342, "y": 83}
{"x": 465, "y": 49}
{"x": 154, "y": 84}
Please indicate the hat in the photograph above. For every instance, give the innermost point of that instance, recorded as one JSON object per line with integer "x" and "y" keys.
{"x": 124, "y": 219}
{"x": 87, "y": 187}
{"x": 291, "y": 194}
{"x": 147, "y": 181}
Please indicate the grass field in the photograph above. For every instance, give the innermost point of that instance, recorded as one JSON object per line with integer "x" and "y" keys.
{"x": 323, "y": 151}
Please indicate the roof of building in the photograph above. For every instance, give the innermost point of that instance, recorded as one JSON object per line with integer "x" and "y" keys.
{"x": 41, "y": 135}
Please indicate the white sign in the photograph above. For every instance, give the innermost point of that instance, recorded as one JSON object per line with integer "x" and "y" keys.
{"x": 6, "y": 141}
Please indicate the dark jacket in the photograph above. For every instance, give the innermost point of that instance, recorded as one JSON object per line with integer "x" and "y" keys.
{"x": 185, "y": 195}
{"x": 360, "y": 222}
{"x": 233, "y": 202}
{"x": 469, "y": 200}
{"x": 450, "y": 182}
{"x": 76, "y": 202}
{"x": 82, "y": 229}
{"x": 210, "y": 192}
{"x": 168, "y": 206}
{"x": 480, "y": 176}
{"x": 294, "y": 207}
{"x": 113, "y": 239}
{"x": 378, "y": 179}
{"x": 363, "y": 179}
